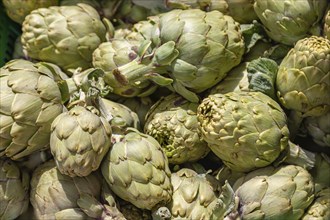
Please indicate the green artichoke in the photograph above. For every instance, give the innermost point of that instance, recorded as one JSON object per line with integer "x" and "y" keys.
{"x": 247, "y": 130}
{"x": 241, "y": 10}
{"x": 14, "y": 190}
{"x": 199, "y": 196}
{"x": 326, "y": 28}
{"x": 320, "y": 208}
{"x": 79, "y": 140}
{"x": 30, "y": 101}
{"x": 319, "y": 129}
{"x": 137, "y": 171}
{"x": 303, "y": 80}
{"x": 275, "y": 193}
{"x": 289, "y": 21}
{"x": 55, "y": 196}
{"x": 191, "y": 50}
{"x": 17, "y": 11}
{"x": 172, "y": 121}
{"x": 65, "y": 35}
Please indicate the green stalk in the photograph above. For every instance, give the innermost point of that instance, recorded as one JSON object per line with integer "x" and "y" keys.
{"x": 132, "y": 72}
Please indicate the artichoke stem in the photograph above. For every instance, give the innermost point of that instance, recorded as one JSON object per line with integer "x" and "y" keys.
{"x": 103, "y": 110}
{"x": 294, "y": 122}
{"x": 299, "y": 156}
{"x": 132, "y": 72}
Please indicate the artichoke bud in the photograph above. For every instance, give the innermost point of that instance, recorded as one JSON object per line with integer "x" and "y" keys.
{"x": 63, "y": 40}
{"x": 136, "y": 170}
{"x": 288, "y": 187}
{"x": 62, "y": 193}
{"x": 236, "y": 129}
{"x": 307, "y": 65}
{"x": 30, "y": 100}
{"x": 79, "y": 140}
{"x": 172, "y": 121}
{"x": 198, "y": 196}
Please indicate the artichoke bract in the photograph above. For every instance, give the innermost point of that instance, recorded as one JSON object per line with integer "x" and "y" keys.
{"x": 14, "y": 190}
{"x": 192, "y": 51}
{"x": 274, "y": 193}
{"x": 55, "y": 196}
{"x": 246, "y": 130}
{"x": 289, "y": 21}
{"x": 30, "y": 101}
{"x": 199, "y": 196}
{"x": 79, "y": 140}
{"x": 320, "y": 208}
{"x": 65, "y": 35}
{"x": 172, "y": 121}
{"x": 18, "y": 10}
{"x": 137, "y": 171}
{"x": 319, "y": 129}
{"x": 303, "y": 80}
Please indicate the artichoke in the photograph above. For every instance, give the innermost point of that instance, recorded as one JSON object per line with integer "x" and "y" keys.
{"x": 172, "y": 121}
{"x": 247, "y": 130}
{"x": 137, "y": 171}
{"x": 30, "y": 101}
{"x": 289, "y": 21}
{"x": 55, "y": 196}
{"x": 326, "y": 29}
{"x": 241, "y": 10}
{"x": 320, "y": 208}
{"x": 65, "y": 35}
{"x": 79, "y": 140}
{"x": 319, "y": 129}
{"x": 199, "y": 196}
{"x": 303, "y": 80}
{"x": 14, "y": 190}
{"x": 191, "y": 50}
{"x": 288, "y": 188}
{"x": 17, "y": 11}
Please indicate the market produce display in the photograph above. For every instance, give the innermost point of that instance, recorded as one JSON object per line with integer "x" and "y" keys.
{"x": 165, "y": 109}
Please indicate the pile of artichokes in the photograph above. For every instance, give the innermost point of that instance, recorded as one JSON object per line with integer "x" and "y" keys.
{"x": 192, "y": 109}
